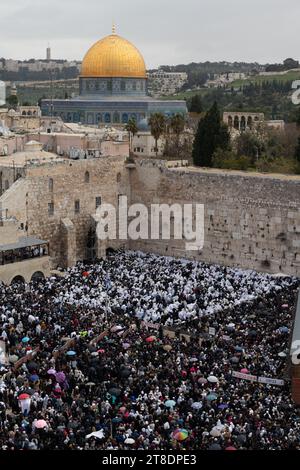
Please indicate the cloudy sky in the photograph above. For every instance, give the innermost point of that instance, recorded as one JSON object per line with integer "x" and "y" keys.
{"x": 165, "y": 31}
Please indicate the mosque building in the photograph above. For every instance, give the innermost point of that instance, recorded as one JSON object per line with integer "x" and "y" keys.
{"x": 112, "y": 88}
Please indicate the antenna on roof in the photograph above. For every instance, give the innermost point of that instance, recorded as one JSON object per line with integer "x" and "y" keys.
{"x": 114, "y": 28}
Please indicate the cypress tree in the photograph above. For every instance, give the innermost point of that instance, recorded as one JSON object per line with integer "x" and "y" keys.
{"x": 211, "y": 135}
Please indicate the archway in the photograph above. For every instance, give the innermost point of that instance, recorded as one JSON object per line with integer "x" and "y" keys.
{"x": 18, "y": 280}
{"x": 243, "y": 123}
{"x": 37, "y": 276}
{"x": 249, "y": 122}
{"x": 230, "y": 121}
{"x": 236, "y": 123}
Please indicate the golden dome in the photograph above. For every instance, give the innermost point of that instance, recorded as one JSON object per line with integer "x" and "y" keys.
{"x": 113, "y": 56}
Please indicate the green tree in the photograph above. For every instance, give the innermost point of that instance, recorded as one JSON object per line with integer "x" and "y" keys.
{"x": 195, "y": 105}
{"x": 177, "y": 125}
{"x": 132, "y": 128}
{"x": 12, "y": 101}
{"x": 211, "y": 135}
{"x": 157, "y": 123}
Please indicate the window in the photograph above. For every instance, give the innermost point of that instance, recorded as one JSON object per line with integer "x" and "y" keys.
{"x": 119, "y": 178}
{"x": 77, "y": 207}
{"x": 98, "y": 202}
{"x": 87, "y": 177}
{"x": 6, "y": 185}
{"x": 51, "y": 208}
{"x": 51, "y": 185}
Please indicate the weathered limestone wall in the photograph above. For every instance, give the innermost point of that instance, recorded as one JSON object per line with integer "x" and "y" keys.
{"x": 107, "y": 179}
{"x": 251, "y": 221}
{"x": 28, "y": 201}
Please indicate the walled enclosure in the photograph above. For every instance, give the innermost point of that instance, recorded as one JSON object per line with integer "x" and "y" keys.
{"x": 251, "y": 221}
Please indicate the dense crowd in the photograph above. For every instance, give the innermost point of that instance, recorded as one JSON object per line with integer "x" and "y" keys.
{"x": 109, "y": 367}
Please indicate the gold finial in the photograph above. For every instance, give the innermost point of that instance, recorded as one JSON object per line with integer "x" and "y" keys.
{"x": 114, "y": 28}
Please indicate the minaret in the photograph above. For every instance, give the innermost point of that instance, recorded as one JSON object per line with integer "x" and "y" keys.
{"x": 48, "y": 54}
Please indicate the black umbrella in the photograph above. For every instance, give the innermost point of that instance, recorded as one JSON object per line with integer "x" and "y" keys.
{"x": 215, "y": 447}
{"x": 32, "y": 366}
{"x": 125, "y": 373}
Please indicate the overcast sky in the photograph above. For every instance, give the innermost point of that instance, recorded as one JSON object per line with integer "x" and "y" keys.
{"x": 165, "y": 31}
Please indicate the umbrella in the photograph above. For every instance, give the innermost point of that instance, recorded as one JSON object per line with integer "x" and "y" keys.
{"x": 25, "y": 339}
{"x": 151, "y": 339}
{"x": 129, "y": 440}
{"x": 283, "y": 329}
{"x": 285, "y": 306}
{"x": 117, "y": 328}
{"x": 114, "y": 391}
{"x": 101, "y": 351}
{"x": 223, "y": 406}
{"x": 41, "y": 424}
{"x": 13, "y": 359}
{"x": 168, "y": 348}
{"x": 212, "y": 379}
{"x": 71, "y": 353}
{"x": 215, "y": 446}
{"x": 90, "y": 384}
{"x": 23, "y": 396}
{"x": 230, "y": 448}
{"x": 197, "y": 405}
{"x": 126, "y": 345}
{"x": 125, "y": 373}
{"x": 244, "y": 371}
{"x": 34, "y": 378}
{"x": 282, "y": 354}
{"x": 60, "y": 377}
{"x": 170, "y": 403}
{"x": 215, "y": 432}
{"x": 253, "y": 333}
{"x": 31, "y": 366}
{"x": 202, "y": 380}
{"x": 180, "y": 434}
{"x": 97, "y": 434}
{"x": 51, "y": 372}
{"x": 231, "y": 326}
{"x": 211, "y": 396}
{"x": 234, "y": 360}
{"x": 117, "y": 420}
{"x": 85, "y": 274}
{"x": 239, "y": 349}
{"x": 94, "y": 354}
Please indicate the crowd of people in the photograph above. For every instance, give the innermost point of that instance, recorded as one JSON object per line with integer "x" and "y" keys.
{"x": 138, "y": 352}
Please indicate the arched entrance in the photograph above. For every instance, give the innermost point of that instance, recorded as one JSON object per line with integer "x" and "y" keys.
{"x": 37, "y": 276}
{"x": 18, "y": 280}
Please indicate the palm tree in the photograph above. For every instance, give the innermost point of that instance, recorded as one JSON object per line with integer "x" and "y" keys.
{"x": 177, "y": 125}
{"x": 157, "y": 123}
{"x": 132, "y": 128}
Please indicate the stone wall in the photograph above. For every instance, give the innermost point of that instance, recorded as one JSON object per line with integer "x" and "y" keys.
{"x": 251, "y": 221}
{"x": 107, "y": 179}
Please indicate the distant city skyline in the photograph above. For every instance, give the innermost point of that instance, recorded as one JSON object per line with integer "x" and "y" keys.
{"x": 167, "y": 32}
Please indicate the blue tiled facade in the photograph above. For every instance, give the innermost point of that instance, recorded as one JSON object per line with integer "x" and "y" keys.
{"x": 110, "y": 101}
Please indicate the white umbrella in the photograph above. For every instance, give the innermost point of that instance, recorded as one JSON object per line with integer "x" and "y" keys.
{"x": 215, "y": 432}
{"x": 197, "y": 405}
{"x": 129, "y": 440}
{"x": 212, "y": 379}
{"x": 282, "y": 354}
{"x": 98, "y": 435}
